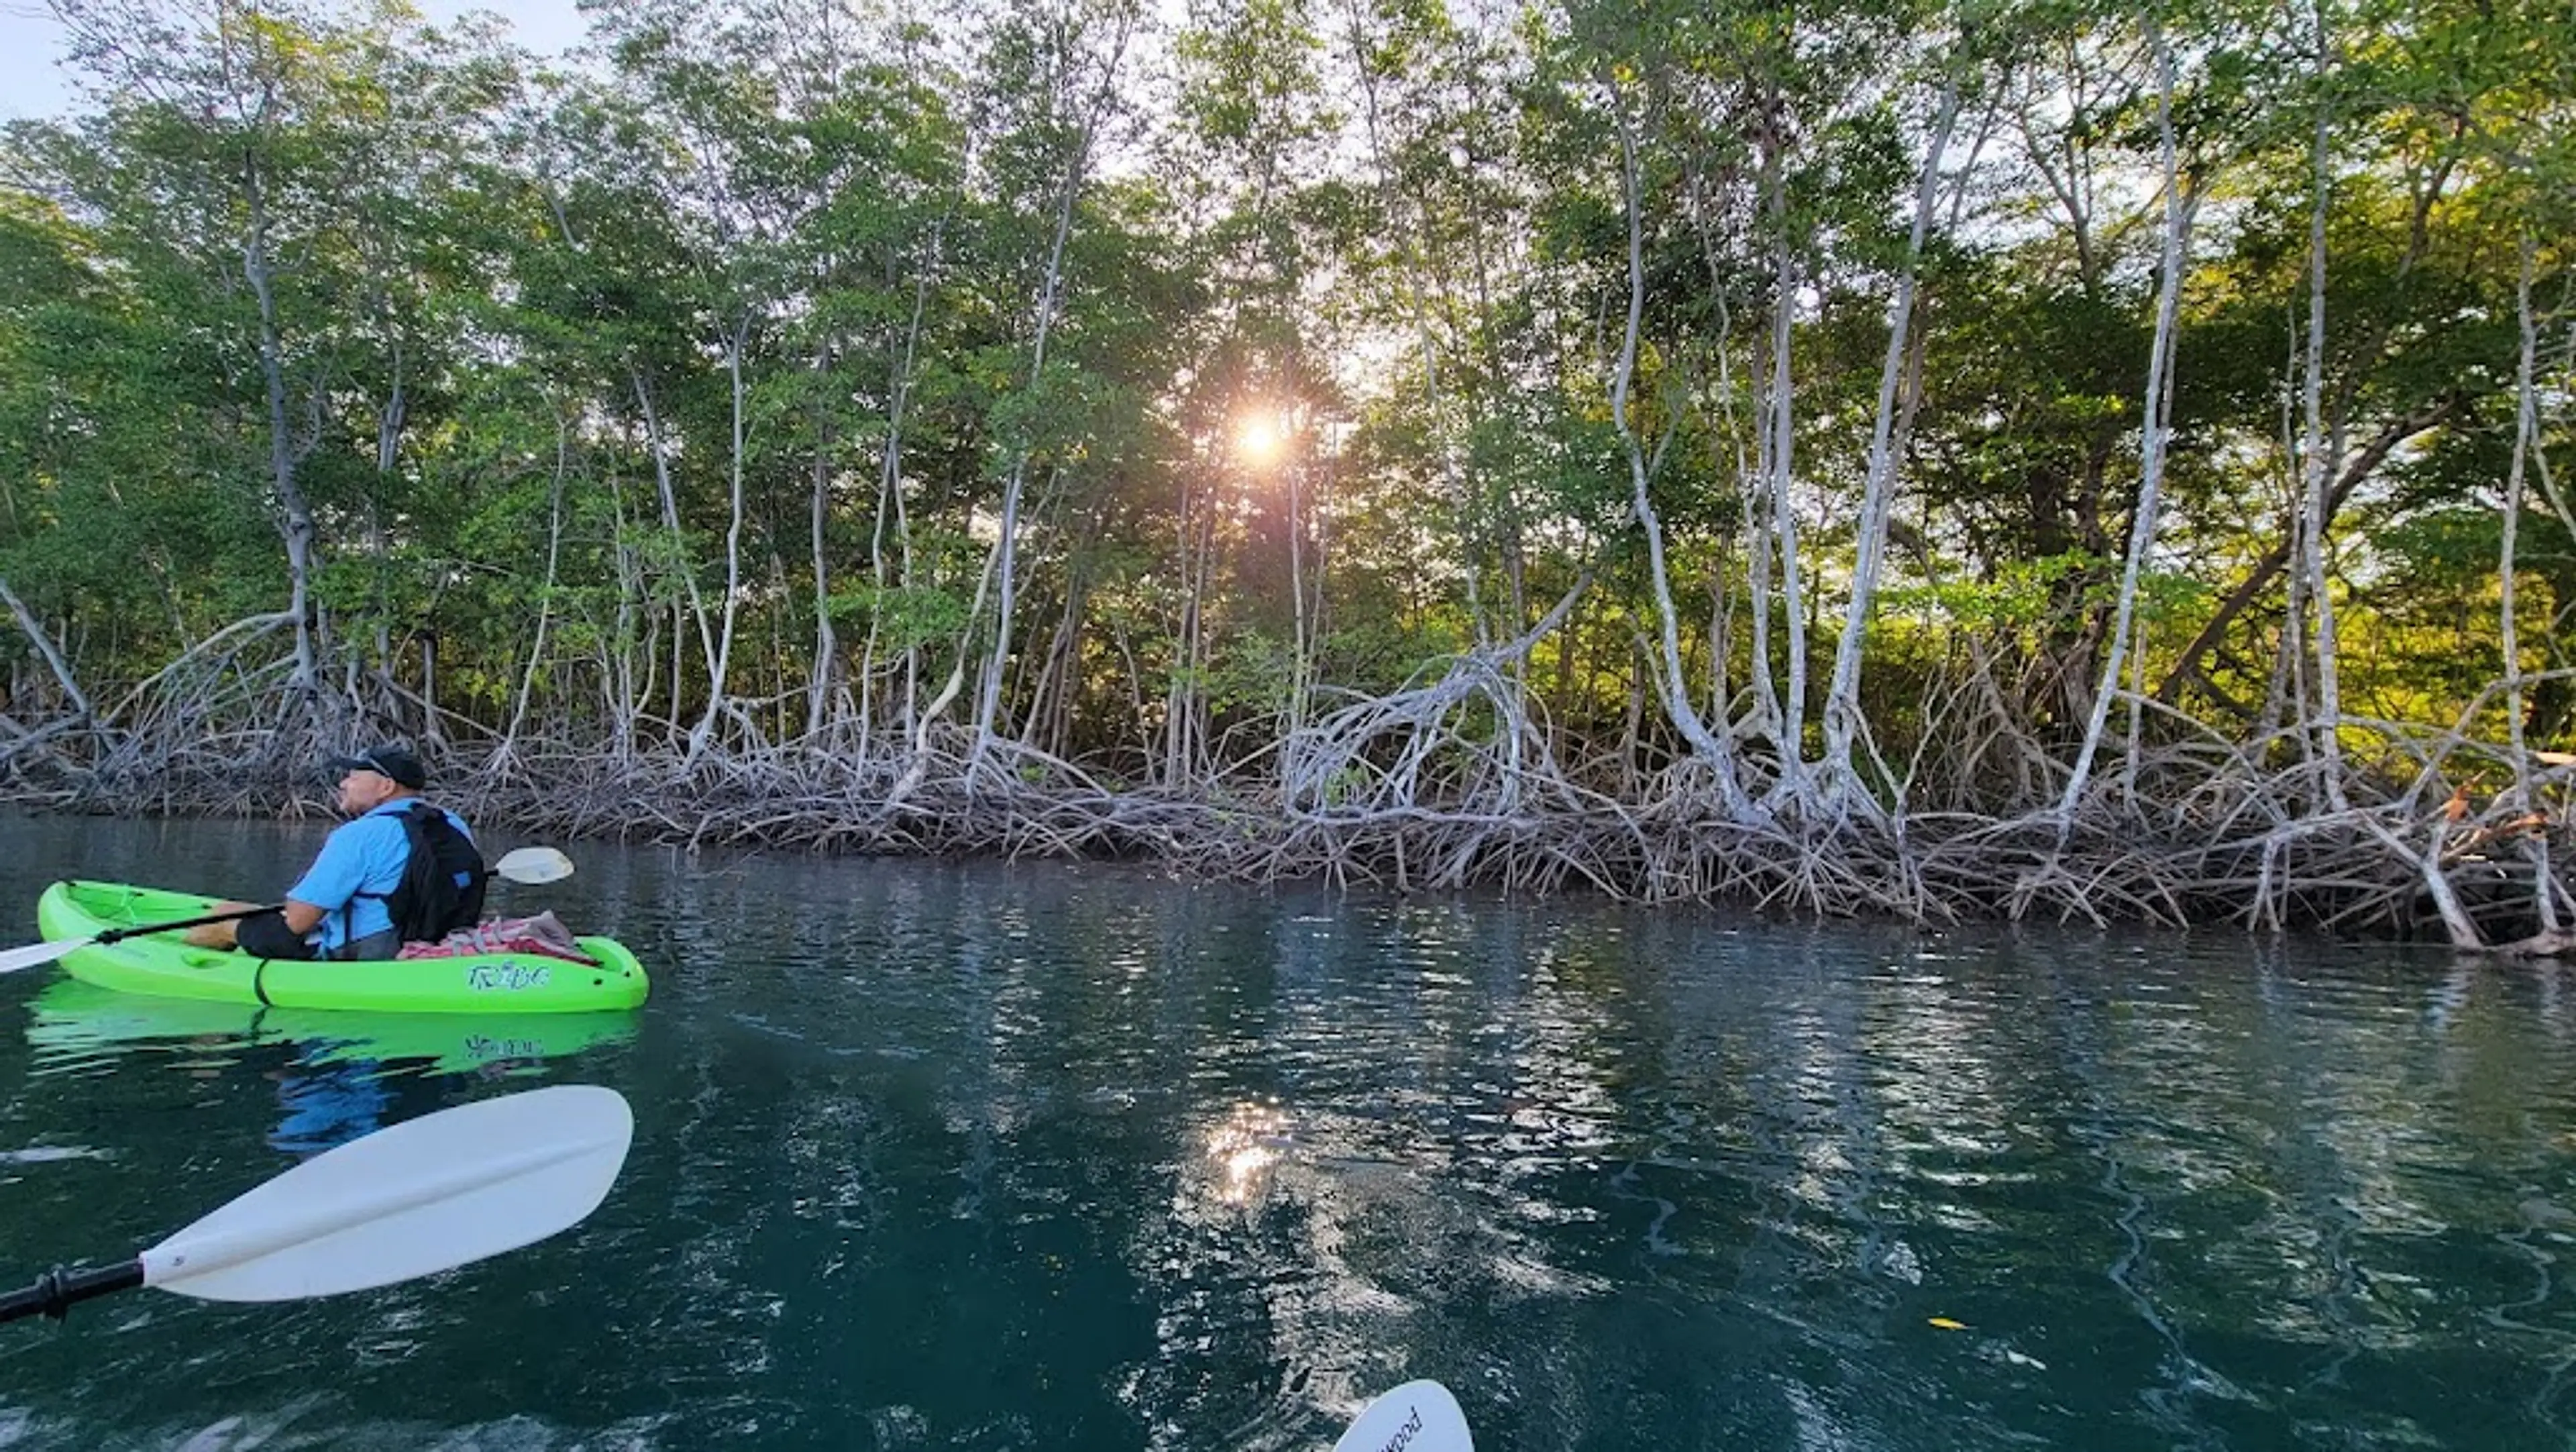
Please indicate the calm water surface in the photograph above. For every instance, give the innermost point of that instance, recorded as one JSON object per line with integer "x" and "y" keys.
{"x": 940, "y": 1156}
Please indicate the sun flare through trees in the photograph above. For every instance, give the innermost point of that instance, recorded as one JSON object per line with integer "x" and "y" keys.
{"x": 1926, "y": 460}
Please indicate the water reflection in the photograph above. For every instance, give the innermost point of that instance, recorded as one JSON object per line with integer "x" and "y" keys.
{"x": 986, "y": 1157}
{"x": 328, "y": 1102}
{"x": 1242, "y": 1150}
{"x": 331, "y": 1066}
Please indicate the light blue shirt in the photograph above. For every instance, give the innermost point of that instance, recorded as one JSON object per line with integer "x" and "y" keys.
{"x": 362, "y": 855}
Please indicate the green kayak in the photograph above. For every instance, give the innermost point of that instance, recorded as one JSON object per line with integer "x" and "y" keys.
{"x": 165, "y": 967}
{"x": 72, "y": 1023}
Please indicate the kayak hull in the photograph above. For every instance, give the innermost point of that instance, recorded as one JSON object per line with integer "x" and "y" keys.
{"x": 163, "y": 966}
{"x": 72, "y": 1024}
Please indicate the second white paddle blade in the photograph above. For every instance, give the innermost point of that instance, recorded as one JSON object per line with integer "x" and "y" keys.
{"x": 529, "y": 866}
{"x": 1419, "y": 1416}
{"x": 420, "y": 1197}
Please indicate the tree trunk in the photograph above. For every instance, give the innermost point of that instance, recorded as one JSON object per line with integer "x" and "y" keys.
{"x": 679, "y": 539}
{"x": 820, "y": 682}
{"x": 1182, "y": 702}
{"x": 390, "y": 420}
{"x": 1784, "y": 516}
{"x": 890, "y": 516}
{"x": 2158, "y": 414}
{"x": 1755, "y": 492}
{"x": 297, "y": 522}
{"x": 1050, "y": 295}
{"x": 429, "y": 676}
{"x": 627, "y": 692}
{"x": 1051, "y": 699}
{"x": 719, "y": 673}
{"x": 54, "y": 662}
{"x": 2526, "y": 431}
{"x": 1721, "y": 698}
{"x": 1300, "y": 659}
{"x": 1713, "y": 751}
{"x": 2317, "y": 468}
{"x": 546, "y": 594}
{"x": 1842, "y": 697}
{"x": 2278, "y": 556}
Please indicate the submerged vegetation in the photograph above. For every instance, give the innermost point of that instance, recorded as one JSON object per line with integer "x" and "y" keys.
{"x": 1942, "y": 460}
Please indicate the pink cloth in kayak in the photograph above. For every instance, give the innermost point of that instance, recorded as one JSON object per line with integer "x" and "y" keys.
{"x": 542, "y": 935}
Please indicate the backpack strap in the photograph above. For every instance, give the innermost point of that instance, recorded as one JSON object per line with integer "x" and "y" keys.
{"x": 411, "y": 843}
{"x": 421, "y": 822}
{"x": 349, "y": 909}
{"x": 414, "y": 839}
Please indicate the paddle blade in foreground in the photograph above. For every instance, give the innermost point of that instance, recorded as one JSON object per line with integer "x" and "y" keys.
{"x": 36, "y": 955}
{"x": 422, "y": 1196}
{"x": 1419, "y": 1416}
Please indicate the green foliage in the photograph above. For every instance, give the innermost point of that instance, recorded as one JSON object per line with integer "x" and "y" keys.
{"x": 909, "y": 615}
{"x": 510, "y": 310}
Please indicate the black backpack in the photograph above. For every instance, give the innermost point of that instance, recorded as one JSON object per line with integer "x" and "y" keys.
{"x": 429, "y": 902}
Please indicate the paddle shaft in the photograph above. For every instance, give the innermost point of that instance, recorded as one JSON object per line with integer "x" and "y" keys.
{"x": 38, "y": 954}
{"x": 119, "y": 935}
{"x": 58, "y": 1291}
{"x": 529, "y": 866}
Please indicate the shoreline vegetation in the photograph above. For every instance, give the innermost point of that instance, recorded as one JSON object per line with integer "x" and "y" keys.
{"x": 2172, "y": 838}
{"x": 1942, "y": 462}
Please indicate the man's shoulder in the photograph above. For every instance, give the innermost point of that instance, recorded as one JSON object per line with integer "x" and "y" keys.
{"x": 393, "y": 816}
{"x": 365, "y": 828}
{"x": 385, "y": 825}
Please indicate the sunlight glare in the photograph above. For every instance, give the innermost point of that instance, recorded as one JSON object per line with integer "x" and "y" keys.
{"x": 1244, "y": 1148}
{"x": 1260, "y": 438}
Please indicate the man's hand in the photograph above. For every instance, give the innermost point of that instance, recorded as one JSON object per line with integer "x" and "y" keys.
{"x": 217, "y": 935}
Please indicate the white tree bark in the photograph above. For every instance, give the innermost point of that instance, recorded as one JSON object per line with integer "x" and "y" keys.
{"x": 1792, "y": 784}
{"x": 822, "y": 682}
{"x": 2158, "y": 413}
{"x": 890, "y": 507}
{"x": 2319, "y": 465}
{"x": 720, "y": 671}
{"x": 1050, "y": 298}
{"x": 296, "y": 513}
{"x": 671, "y": 520}
{"x": 1713, "y": 751}
{"x": 545, "y": 596}
{"x": 45, "y": 647}
{"x": 1756, "y": 493}
{"x": 2526, "y": 430}
{"x": 1842, "y": 697}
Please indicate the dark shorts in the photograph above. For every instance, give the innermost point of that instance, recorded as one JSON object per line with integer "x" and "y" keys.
{"x": 265, "y": 935}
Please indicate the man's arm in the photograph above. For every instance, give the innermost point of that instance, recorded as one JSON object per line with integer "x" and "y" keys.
{"x": 334, "y": 878}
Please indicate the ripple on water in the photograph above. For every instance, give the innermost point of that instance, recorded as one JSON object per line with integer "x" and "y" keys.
{"x": 974, "y": 1157}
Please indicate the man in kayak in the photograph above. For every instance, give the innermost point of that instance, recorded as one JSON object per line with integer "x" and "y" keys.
{"x": 399, "y": 870}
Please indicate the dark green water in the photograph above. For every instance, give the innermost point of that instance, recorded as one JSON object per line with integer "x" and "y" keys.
{"x": 939, "y": 1156}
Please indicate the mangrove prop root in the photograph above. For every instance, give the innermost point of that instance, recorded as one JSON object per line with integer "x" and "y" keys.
{"x": 1452, "y": 784}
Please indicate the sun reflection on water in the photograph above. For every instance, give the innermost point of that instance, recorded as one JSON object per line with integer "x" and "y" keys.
{"x": 1244, "y": 1147}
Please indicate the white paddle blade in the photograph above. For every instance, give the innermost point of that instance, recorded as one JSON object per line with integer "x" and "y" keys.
{"x": 36, "y": 955}
{"x": 533, "y": 865}
{"x": 1419, "y": 1416}
{"x": 422, "y": 1196}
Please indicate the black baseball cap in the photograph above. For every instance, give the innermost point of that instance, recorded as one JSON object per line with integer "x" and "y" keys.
{"x": 386, "y": 761}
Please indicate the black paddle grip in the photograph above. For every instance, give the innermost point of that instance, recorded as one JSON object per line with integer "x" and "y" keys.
{"x": 58, "y": 1290}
